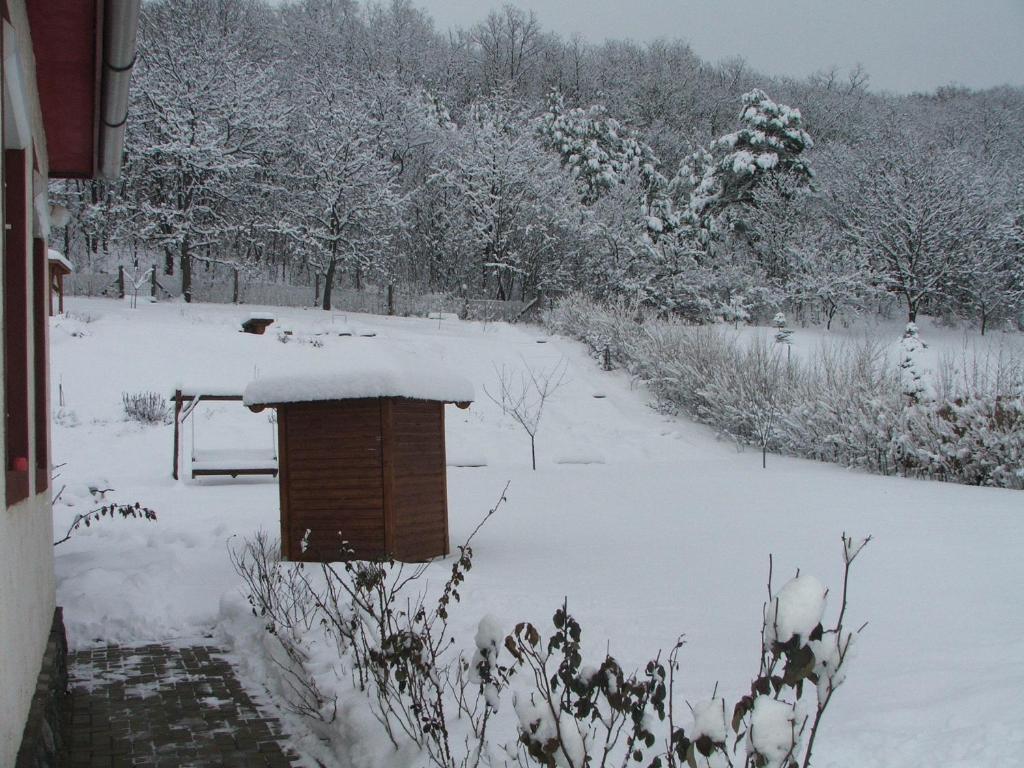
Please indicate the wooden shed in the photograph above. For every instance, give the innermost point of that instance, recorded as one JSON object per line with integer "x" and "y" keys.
{"x": 362, "y": 462}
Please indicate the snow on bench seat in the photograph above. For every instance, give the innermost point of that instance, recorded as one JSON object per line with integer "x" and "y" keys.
{"x": 234, "y": 462}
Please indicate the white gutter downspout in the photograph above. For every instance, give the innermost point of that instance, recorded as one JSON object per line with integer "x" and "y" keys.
{"x": 120, "y": 25}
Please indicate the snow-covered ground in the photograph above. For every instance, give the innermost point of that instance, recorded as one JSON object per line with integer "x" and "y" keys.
{"x": 647, "y": 524}
{"x": 956, "y": 348}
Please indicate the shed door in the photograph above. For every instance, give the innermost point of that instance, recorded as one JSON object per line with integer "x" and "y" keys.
{"x": 420, "y": 480}
{"x": 332, "y": 484}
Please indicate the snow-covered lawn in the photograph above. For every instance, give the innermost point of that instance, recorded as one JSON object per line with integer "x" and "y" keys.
{"x": 647, "y": 524}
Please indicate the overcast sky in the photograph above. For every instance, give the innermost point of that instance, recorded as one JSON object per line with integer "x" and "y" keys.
{"x": 906, "y": 45}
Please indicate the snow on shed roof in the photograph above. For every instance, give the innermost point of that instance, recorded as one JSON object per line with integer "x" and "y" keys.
{"x": 59, "y": 258}
{"x": 381, "y": 380}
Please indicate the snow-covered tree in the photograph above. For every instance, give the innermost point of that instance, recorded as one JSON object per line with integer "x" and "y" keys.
{"x": 601, "y": 153}
{"x": 233, "y": 134}
{"x": 829, "y": 276}
{"x": 914, "y": 212}
{"x": 506, "y": 49}
{"x": 511, "y": 202}
{"x": 991, "y": 286}
{"x": 783, "y": 333}
{"x": 345, "y": 204}
{"x": 769, "y": 143}
{"x": 204, "y": 119}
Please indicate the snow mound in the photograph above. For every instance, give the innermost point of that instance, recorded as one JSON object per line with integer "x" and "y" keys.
{"x": 580, "y": 455}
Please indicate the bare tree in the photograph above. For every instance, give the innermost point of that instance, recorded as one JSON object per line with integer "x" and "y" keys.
{"x": 522, "y": 395}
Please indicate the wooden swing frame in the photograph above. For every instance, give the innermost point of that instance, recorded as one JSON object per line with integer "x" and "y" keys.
{"x": 185, "y": 404}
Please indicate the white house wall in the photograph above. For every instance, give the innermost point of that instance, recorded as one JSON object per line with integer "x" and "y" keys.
{"x": 26, "y": 611}
{"x": 26, "y": 529}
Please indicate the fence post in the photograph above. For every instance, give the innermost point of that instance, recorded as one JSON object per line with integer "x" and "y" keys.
{"x": 120, "y": 282}
{"x": 607, "y": 358}
{"x": 391, "y": 299}
{"x": 152, "y": 283}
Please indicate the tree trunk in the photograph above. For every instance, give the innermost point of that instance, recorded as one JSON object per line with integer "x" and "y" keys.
{"x": 168, "y": 261}
{"x": 185, "y": 265}
{"x": 329, "y": 283}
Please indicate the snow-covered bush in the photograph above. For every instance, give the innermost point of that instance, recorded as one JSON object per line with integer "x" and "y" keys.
{"x": 279, "y": 594}
{"x": 844, "y": 402}
{"x": 442, "y": 706}
{"x": 986, "y": 372}
{"x": 85, "y": 318}
{"x": 146, "y": 407}
{"x": 65, "y": 417}
{"x": 846, "y": 407}
{"x": 977, "y": 441}
{"x": 616, "y": 326}
{"x": 388, "y": 643}
{"x": 748, "y": 398}
{"x": 573, "y": 715}
{"x": 311, "y": 340}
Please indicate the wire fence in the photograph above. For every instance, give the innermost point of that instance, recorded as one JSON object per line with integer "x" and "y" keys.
{"x": 220, "y": 289}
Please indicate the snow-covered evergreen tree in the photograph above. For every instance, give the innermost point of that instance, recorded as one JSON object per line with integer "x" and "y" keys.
{"x": 914, "y": 388}
{"x": 770, "y": 142}
{"x": 600, "y": 153}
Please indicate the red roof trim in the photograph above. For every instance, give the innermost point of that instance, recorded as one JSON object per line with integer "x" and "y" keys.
{"x": 67, "y": 40}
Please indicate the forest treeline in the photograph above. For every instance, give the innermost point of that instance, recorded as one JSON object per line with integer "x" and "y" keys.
{"x": 356, "y": 144}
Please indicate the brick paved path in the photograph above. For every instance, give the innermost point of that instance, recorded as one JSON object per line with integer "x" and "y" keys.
{"x": 161, "y": 706}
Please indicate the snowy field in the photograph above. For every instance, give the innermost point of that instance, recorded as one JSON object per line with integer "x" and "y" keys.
{"x": 647, "y": 524}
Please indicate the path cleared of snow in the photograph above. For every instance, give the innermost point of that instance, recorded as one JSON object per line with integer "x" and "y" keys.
{"x": 647, "y": 524}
